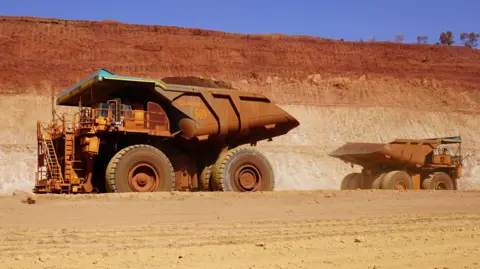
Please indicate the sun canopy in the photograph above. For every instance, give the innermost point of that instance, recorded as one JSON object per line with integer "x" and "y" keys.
{"x": 99, "y": 84}
{"x": 448, "y": 140}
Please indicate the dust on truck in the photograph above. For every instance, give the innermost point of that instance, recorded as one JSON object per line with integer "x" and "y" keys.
{"x": 143, "y": 135}
{"x": 403, "y": 164}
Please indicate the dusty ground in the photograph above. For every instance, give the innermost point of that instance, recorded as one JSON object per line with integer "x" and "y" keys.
{"x": 365, "y": 229}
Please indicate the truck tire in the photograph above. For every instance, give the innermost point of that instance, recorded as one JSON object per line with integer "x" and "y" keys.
{"x": 351, "y": 181}
{"x": 397, "y": 180}
{"x": 139, "y": 168}
{"x": 243, "y": 169}
{"x": 205, "y": 178}
{"x": 438, "y": 181}
{"x": 377, "y": 182}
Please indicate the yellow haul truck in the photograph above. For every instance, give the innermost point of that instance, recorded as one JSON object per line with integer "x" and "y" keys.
{"x": 403, "y": 164}
{"x": 143, "y": 135}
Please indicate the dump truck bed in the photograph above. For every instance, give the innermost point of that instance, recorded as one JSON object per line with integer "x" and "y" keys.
{"x": 194, "y": 112}
{"x": 363, "y": 154}
{"x": 400, "y": 152}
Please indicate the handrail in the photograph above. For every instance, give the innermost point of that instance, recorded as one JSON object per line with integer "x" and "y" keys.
{"x": 45, "y": 151}
{"x": 47, "y": 154}
{"x": 85, "y": 119}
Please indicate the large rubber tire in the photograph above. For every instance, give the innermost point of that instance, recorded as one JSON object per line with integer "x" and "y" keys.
{"x": 149, "y": 160}
{"x": 255, "y": 172}
{"x": 377, "y": 182}
{"x": 351, "y": 181}
{"x": 397, "y": 180}
{"x": 438, "y": 181}
{"x": 205, "y": 179}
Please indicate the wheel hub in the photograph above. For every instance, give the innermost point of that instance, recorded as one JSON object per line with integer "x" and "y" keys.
{"x": 143, "y": 178}
{"x": 440, "y": 186}
{"x": 400, "y": 186}
{"x": 248, "y": 178}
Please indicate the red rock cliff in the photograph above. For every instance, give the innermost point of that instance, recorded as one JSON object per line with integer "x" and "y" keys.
{"x": 61, "y": 52}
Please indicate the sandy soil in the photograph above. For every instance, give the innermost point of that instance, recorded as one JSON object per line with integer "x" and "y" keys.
{"x": 364, "y": 229}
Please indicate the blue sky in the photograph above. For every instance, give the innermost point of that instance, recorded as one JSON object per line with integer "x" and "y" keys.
{"x": 347, "y": 19}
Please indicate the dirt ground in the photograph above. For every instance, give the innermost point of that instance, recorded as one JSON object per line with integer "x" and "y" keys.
{"x": 313, "y": 229}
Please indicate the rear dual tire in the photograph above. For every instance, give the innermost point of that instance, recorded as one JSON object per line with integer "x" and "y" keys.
{"x": 204, "y": 183}
{"x": 394, "y": 180}
{"x": 351, "y": 181}
{"x": 377, "y": 182}
{"x": 241, "y": 169}
{"x": 397, "y": 180}
{"x": 355, "y": 181}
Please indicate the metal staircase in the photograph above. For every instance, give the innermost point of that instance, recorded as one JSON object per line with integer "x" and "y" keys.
{"x": 53, "y": 166}
{"x": 69, "y": 156}
{"x": 57, "y": 169}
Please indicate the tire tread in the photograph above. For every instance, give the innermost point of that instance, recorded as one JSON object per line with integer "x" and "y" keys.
{"x": 112, "y": 166}
{"x": 218, "y": 170}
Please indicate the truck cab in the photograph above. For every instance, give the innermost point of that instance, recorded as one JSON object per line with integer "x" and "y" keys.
{"x": 112, "y": 110}
{"x": 114, "y": 115}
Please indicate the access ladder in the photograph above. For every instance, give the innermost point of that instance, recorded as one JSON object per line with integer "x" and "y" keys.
{"x": 53, "y": 166}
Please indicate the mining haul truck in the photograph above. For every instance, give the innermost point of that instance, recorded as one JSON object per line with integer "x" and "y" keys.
{"x": 143, "y": 135}
{"x": 403, "y": 164}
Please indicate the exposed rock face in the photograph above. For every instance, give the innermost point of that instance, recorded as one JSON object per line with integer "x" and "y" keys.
{"x": 311, "y": 70}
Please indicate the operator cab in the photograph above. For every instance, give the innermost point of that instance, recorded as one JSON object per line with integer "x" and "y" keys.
{"x": 442, "y": 155}
{"x": 115, "y": 107}
{"x": 119, "y": 113}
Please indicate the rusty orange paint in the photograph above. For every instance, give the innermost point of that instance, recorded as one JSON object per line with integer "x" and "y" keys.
{"x": 423, "y": 160}
{"x": 191, "y": 125}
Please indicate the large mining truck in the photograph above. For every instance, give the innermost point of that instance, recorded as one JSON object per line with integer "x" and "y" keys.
{"x": 403, "y": 164}
{"x": 143, "y": 135}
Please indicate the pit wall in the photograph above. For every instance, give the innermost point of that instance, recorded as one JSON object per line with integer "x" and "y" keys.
{"x": 299, "y": 158}
{"x": 39, "y": 49}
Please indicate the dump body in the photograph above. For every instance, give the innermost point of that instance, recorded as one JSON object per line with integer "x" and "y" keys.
{"x": 134, "y": 134}
{"x": 417, "y": 157}
{"x": 398, "y": 153}
{"x": 196, "y": 112}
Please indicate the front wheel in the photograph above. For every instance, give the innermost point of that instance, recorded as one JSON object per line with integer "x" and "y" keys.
{"x": 438, "y": 181}
{"x": 243, "y": 169}
{"x": 139, "y": 168}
